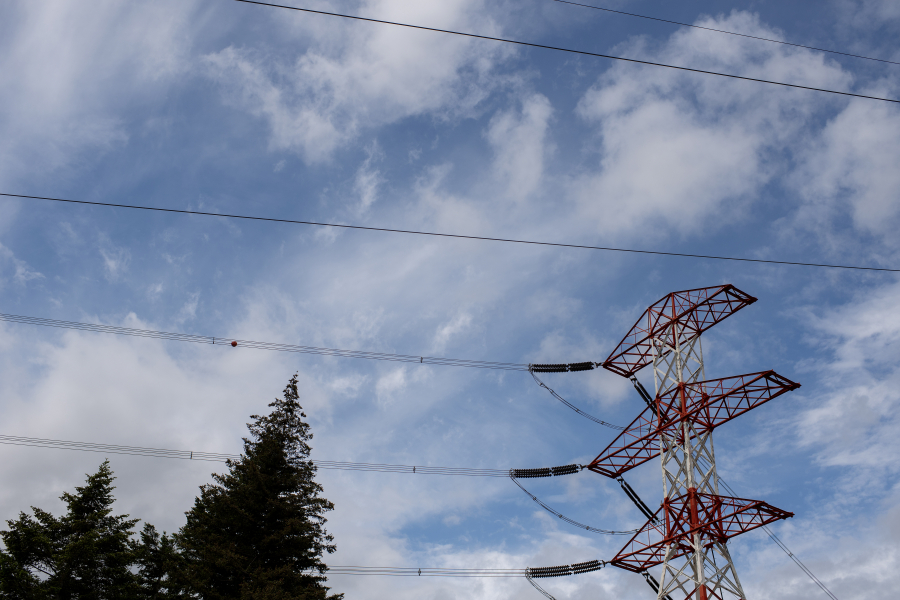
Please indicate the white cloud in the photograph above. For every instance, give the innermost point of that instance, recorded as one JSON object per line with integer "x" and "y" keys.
{"x": 188, "y": 311}
{"x": 377, "y": 74}
{"x": 67, "y": 72}
{"x": 368, "y": 178}
{"x": 115, "y": 261}
{"x": 868, "y": 15}
{"x": 677, "y": 150}
{"x": 390, "y": 384}
{"x": 855, "y": 423}
{"x": 23, "y": 273}
{"x": 851, "y": 169}
{"x": 520, "y": 147}
{"x": 457, "y": 325}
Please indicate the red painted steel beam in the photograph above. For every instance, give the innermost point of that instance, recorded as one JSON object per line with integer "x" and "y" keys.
{"x": 695, "y": 310}
{"x": 716, "y": 518}
{"x": 707, "y": 404}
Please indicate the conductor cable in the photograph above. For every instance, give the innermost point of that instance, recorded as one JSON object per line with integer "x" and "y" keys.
{"x": 567, "y": 519}
{"x": 569, "y": 50}
{"x": 448, "y": 235}
{"x": 570, "y": 405}
{"x": 744, "y": 35}
{"x": 225, "y": 342}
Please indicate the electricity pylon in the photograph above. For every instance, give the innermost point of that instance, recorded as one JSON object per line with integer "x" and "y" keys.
{"x": 688, "y": 534}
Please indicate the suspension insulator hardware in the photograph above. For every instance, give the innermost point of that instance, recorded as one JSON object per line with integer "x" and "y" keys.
{"x": 588, "y": 566}
{"x": 562, "y": 368}
{"x": 544, "y": 472}
{"x": 565, "y": 470}
{"x": 531, "y": 473}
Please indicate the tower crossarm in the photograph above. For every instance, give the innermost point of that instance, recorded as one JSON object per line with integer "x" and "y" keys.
{"x": 634, "y": 446}
{"x": 694, "y": 311}
{"x": 715, "y": 518}
{"x": 706, "y": 404}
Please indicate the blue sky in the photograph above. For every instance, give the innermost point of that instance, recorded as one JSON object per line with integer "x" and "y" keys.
{"x": 223, "y": 107}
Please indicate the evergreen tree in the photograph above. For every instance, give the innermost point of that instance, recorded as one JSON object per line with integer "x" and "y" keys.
{"x": 258, "y": 533}
{"x": 85, "y": 555}
{"x": 157, "y": 561}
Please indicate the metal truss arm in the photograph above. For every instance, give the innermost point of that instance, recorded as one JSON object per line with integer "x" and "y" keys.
{"x": 694, "y": 310}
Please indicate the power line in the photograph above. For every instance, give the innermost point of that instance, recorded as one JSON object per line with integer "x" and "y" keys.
{"x": 781, "y": 544}
{"x": 570, "y": 50}
{"x": 553, "y": 511}
{"x": 14, "y": 440}
{"x": 424, "y": 572}
{"x": 225, "y": 342}
{"x": 447, "y": 235}
{"x": 572, "y": 406}
{"x": 753, "y": 37}
{"x": 530, "y": 572}
{"x": 350, "y": 466}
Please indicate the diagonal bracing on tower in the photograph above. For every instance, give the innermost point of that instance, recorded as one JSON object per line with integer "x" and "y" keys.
{"x": 688, "y": 534}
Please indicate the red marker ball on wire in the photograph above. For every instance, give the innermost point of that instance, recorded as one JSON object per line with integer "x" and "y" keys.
{"x": 233, "y": 344}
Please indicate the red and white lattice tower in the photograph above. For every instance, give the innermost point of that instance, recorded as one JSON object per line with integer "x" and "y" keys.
{"x": 688, "y": 534}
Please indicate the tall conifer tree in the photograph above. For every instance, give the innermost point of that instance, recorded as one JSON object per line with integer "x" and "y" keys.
{"x": 84, "y": 555}
{"x": 258, "y": 532}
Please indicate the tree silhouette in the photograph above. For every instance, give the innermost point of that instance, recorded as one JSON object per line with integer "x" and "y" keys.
{"x": 258, "y": 532}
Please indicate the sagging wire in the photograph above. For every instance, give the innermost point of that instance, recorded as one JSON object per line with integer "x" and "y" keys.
{"x": 562, "y": 516}
{"x": 278, "y": 347}
{"x": 778, "y": 541}
{"x": 537, "y": 587}
{"x": 531, "y": 369}
{"x": 218, "y": 457}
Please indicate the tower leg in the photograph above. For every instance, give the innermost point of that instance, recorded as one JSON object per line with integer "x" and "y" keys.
{"x": 706, "y": 571}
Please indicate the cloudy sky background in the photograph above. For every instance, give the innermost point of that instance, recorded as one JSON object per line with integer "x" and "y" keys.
{"x": 225, "y": 107}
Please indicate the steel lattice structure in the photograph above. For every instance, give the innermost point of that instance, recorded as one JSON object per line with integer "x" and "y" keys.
{"x": 688, "y": 534}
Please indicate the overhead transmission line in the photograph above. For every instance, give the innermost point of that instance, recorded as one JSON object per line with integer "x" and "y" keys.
{"x": 226, "y": 342}
{"x": 752, "y": 37}
{"x": 781, "y": 544}
{"x": 572, "y": 406}
{"x": 446, "y": 235}
{"x": 569, "y": 50}
{"x": 514, "y": 474}
{"x": 424, "y": 572}
{"x": 15, "y": 440}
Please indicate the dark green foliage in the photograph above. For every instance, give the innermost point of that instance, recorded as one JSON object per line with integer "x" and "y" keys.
{"x": 86, "y": 554}
{"x": 157, "y": 563}
{"x": 258, "y": 533}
